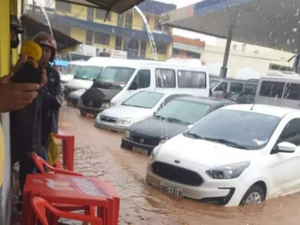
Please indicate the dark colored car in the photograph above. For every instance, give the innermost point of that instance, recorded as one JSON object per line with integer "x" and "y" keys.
{"x": 244, "y": 98}
{"x": 171, "y": 120}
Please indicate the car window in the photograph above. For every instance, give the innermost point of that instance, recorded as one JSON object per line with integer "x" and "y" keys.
{"x": 213, "y": 83}
{"x": 144, "y": 99}
{"x": 191, "y": 79}
{"x": 250, "y": 88}
{"x": 291, "y": 132}
{"x": 292, "y": 91}
{"x": 143, "y": 79}
{"x": 271, "y": 89}
{"x": 183, "y": 111}
{"x": 236, "y": 87}
{"x": 87, "y": 72}
{"x": 165, "y": 78}
{"x": 222, "y": 87}
{"x": 249, "y": 130}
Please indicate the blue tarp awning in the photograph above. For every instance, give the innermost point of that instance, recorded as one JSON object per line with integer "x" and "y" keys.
{"x": 63, "y": 63}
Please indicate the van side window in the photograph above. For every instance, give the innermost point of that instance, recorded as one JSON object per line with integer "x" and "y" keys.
{"x": 222, "y": 87}
{"x": 143, "y": 79}
{"x": 292, "y": 91}
{"x": 271, "y": 89}
{"x": 191, "y": 79}
{"x": 236, "y": 87}
{"x": 291, "y": 133}
{"x": 250, "y": 88}
{"x": 165, "y": 78}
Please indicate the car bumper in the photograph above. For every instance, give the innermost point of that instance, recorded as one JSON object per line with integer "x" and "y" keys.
{"x": 222, "y": 192}
{"x": 110, "y": 126}
{"x": 131, "y": 145}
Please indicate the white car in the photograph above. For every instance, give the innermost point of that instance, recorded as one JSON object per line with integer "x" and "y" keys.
{"x": 138, "y": 107}
{"x": 237, "y": 155}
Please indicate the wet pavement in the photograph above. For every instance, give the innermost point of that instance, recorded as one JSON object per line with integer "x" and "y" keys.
{"x": 98, "y": 154}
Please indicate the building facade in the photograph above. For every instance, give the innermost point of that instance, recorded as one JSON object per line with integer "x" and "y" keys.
{"x": 125, "y": 32}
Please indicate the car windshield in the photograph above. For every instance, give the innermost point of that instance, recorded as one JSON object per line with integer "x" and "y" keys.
{"x": 144, "y": 99}
{"x": 88, "y": 72}
{"x": 245, "y": 130}
{"x": 114, "y": 77}
{"x": 213, "y": 83}
{"x": 183, "y": 111}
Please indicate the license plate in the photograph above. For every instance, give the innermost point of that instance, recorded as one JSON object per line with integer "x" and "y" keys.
{"x": 170, "y": 189}
{"x": 90, "y": 115}
{"x": 141, "y": 150}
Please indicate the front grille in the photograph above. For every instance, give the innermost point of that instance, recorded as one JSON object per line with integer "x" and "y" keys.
{"x": 177, "y": 174}
{"x": 108, "y": 119}
{"x": 146, "y": 141}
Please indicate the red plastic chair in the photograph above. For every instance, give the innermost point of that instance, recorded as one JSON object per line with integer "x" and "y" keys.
{"x": 68, "y": 147}
{"x": 40, "y": 207}
{"x": 42, "y": 164}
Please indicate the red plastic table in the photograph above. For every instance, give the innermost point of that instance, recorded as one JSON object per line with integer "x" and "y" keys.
{"x": 61, "y": 189}
{"x": 68, "y": 146}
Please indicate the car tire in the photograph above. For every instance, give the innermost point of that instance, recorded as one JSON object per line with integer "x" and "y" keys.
{"x": 82, "y": 112}
{"x": 255, "y": 195}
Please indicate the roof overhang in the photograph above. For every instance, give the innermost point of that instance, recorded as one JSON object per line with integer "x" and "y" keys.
{"x": 118, "y": 6}
{"x": 33, "y": 26}
{"x": 268, "y": 23}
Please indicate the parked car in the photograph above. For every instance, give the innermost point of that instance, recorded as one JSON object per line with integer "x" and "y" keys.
{"x": 138, "y": 107}
{"x": 244, "y": 98}
{"x": 171, "y": 120}
{"x": 118, "y": 81}
{"x": 73, "y": 97}
{"x": 67, "y": 74}
{"x": 237, "y": 155}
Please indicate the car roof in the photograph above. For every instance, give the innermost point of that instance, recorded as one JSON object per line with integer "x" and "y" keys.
{"x": 207, "y": 101}
{"x": 263, "y": 109}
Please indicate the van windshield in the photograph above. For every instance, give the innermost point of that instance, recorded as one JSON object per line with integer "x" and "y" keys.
{"x": 114, "y": 77}
{"x": 88, "y": 72}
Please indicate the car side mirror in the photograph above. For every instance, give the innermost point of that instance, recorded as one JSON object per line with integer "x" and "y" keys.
{"x": 286, "y": 147}
{"x": 133, "y": 86}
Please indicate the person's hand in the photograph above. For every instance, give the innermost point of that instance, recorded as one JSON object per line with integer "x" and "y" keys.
{"x": 16, "y": 96}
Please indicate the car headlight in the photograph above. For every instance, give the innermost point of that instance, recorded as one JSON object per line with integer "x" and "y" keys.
{"x": 127, "y": 134}
{"x": 125, "y": 121}
{"x": 105, "y": 105}
{"x": 154, "y": 153}
{"x": 98, "y": 116}
{"x": 112, "y": 104}
{"x": 227, "y": 172}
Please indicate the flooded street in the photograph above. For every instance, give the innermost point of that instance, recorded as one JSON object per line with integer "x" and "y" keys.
{"x": 98, "y": 154}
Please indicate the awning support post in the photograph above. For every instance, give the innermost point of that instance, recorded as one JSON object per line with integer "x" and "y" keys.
{"x": 296, "y": 63}
{"x": 223, "y": 72}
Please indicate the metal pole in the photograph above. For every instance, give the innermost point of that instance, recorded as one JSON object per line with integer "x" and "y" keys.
{"x": 227, "y": 51}
{"x": 296, "y": 63}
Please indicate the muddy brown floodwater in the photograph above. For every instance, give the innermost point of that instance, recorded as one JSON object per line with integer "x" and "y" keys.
{"x": 98, "y": 154}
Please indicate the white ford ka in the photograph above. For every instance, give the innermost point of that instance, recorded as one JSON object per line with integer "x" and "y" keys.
{"x": 237, "y": 155}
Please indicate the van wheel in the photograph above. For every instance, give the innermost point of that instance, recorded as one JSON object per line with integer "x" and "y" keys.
{"x": 255, "y": 195}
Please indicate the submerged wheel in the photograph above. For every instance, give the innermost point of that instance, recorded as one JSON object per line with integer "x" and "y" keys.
{"x": 255, "y": 195}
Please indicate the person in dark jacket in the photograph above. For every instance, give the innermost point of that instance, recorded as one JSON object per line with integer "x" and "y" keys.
{"x": 52, "y": 98}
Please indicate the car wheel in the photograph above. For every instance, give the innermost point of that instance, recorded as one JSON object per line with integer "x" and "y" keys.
{"x": 82, "y": 112}
{"x": 255, "y": 195}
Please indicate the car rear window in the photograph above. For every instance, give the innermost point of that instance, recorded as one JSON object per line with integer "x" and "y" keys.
{"x": 271, "y": 89}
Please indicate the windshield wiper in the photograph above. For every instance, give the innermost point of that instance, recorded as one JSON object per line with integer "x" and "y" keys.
{"x": 193, "y": 135}
{"x": 174, "y": 120}
{"x": 160, "y": 117}
{"x": 225, "y": 142}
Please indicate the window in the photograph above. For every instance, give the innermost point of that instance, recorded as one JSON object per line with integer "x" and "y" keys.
{"x": 250, "y": 88}
{"x": 292, "y": 91}
{"x": 143, "y": 79}
{"x": 165, "y": 78}
{"x": 291, "y": 133}
{"x": 89, "y": 37}
{"x": 101, "y": 15}
{"x": 128, "y": 20}
{"x": 88, "y": 72}
{"x": 144, "y": 99}
{"x": 222, "y": 87}
{"x": 236, "y": 87}
{"x": 63, "y": 7}
{"x": 161, "y": 48}
{"x": 143, "y": 49}
{"x": 119, "y": 41}
{"x": 193, "y": 55}
{"x": 144, "y": 25}
{"x": 102, "y": 38}
{"x": 90, "y": 14}
{"x": 121, "y": 20}
{"x": 271, "y": 89}
{"x": 157, "y": 25}
{"x": 191, "y": 79}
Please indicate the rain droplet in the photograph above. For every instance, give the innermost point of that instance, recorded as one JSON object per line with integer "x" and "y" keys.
{"x": 295, "y": 30}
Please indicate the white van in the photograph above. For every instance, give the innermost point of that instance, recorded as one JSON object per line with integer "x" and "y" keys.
{"x": 117, "y": 82}
{"x": 68, "y": 73}
{"x": 84, "y": 77}
{"x": 279, "y": 90}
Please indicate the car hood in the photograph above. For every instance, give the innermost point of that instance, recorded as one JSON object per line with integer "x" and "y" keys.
{"x": 79, "y": 84}
{"x": 66, "y": 77}
{"x": 202, "y": 152}
{"x": 99, "y": 94}
{"x": 154, "y": 127}
{"x": 122, "y": 111}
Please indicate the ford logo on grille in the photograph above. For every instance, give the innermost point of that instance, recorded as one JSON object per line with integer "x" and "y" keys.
{"x": 142, "y": 141}
{"x": 91, "y": 103}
